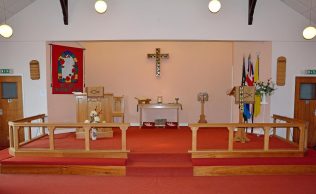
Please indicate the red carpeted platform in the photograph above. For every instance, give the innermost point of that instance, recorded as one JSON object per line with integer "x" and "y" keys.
{"x": 65, "y": 161}
{"x": 309, "y": 159}
{"x": 160, "y": 151}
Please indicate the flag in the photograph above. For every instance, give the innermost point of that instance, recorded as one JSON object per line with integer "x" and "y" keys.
{"x": 250, "y": 73}
{"x": 257, "y": 97}
{"x": 249, "y": 82}
{"x": 243, "y": 77}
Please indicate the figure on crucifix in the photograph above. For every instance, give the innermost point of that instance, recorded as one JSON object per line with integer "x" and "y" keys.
{"x": 158, "y": 56}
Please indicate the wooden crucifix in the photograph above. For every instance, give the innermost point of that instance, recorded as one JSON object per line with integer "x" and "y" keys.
{"x": 158, "y": 56}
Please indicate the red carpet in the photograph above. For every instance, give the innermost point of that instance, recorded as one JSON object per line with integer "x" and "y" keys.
{"x": 4, "y": 154}
{"x": 161, "y": 152}
{"x": 157, "y": 164}
{"x": 309, "y": 159}
{"x": 68, "y": 184}
{"x": 156, "y": 156}
{"x": 160, "y": 140}
{"x": 65, "y": 161}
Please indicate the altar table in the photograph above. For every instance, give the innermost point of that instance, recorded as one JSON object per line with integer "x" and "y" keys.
{"x": 140, "y": 107}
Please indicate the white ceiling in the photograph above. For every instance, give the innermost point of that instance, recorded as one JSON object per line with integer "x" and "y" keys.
{"x": 303, "y": 7}
{"x": 14, "y": 6}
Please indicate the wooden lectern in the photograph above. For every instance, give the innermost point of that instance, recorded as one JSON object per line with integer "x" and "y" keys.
{"x": 242, "y": 94}
{"x": 86, "y": 102}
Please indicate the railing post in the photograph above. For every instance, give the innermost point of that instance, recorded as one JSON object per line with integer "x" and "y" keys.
{"x": 266, "y": 138}
{"x": 16, "y": 137}
{"x": 301, "y": 143}
{"x": 194, "y": 138}
{"x": 306, "y": 134}
{"x": 51, "y": 138}
{"x": 274, "y": 128}
{"x": 87, "y": 138}
{"x": 230, "y": 138}
{"x": 29, "y": 133}
{"x": 10, "y": 135}
{"x": 43, "y": 128}
{"x": 123, "y": 132}
{"x": 288, "y": 132}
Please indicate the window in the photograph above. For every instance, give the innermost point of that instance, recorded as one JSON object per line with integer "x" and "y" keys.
{"x": 9, "y": 90}
{"x": 308, "y": 91}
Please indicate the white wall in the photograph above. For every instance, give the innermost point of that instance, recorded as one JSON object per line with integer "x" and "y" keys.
{"x": 17, "y": 56}
{"x": 299, "y": 56}
{"x": 153, "y": 20}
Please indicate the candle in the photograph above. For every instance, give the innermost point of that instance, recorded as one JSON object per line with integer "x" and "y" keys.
{"x": 159, "y": 99}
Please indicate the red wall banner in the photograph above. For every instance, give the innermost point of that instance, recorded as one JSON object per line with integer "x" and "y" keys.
{"x": 67, "y": 69}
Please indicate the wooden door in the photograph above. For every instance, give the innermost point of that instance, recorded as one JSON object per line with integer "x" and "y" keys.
{"x": 305, "y": 106}
{"x": 11, "y": 105}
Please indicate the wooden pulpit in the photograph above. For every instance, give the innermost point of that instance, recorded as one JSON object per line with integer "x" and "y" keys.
{"x": 242, "y": 94}
{"x": 85, "y": 103}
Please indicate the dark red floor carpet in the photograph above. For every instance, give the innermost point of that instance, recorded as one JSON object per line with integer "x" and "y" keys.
{"x": 161, "y": 140}
{"x": 69, "y": 184}
{"x": 4, "y": 154}
{"x": 155, "y": 149}
{"x": 157, "y": 164}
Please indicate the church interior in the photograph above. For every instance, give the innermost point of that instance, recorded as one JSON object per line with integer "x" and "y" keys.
{"x": 148, "y": 96}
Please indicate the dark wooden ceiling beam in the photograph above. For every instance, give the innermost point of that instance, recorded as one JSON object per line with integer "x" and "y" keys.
{"x": 64, "y": 7}
{"x": 251, "y": 10}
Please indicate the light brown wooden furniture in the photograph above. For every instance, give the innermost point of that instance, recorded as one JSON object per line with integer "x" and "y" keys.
{"x": 85, "y": 104}
{"x": 242, "y": 94}
{"x": 118, "y": 108}
{"x": 281, "y": 71}
{"x": 17, "y": 150}
{"x": 266, "y": 151}
{"x": 158, "y": 106}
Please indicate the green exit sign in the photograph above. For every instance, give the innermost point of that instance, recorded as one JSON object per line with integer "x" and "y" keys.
{"x": 6, "y": 71}
{"x": 310, "y": 71}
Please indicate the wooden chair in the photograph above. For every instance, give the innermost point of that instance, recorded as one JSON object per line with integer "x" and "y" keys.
{"x": 118, "y": 108}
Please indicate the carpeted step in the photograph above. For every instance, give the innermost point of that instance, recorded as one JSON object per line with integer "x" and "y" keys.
{"x": 162, "y": 164}
{"x": 159, "y": 157}
{"x": 64, "y": 161}
{"x": 4, "y": 154}
{"x": 159, "y": 171}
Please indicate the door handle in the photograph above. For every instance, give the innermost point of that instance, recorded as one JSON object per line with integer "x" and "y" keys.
{"x": 1, "y": 111}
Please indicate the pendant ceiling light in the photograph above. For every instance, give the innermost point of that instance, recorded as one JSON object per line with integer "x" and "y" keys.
{"x": 5, "y": 30}
{"x": 214, "y": 6}
{"x": 310, "y": 31}
{"x": 100, "y": 6}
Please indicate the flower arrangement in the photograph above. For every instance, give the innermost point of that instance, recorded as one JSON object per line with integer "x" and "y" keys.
{"x": 94, "y": 118}
{"x": 266, "y": 88}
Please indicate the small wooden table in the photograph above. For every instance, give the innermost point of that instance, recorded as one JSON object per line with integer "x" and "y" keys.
{"x": 140, "y": 107}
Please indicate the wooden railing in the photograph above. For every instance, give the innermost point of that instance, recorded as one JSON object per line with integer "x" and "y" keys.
{"x": 37, "y": 118}
{"x": 17, "y": 149}
{"x": 264, "y": 152}
{"x": 289, "y": 130}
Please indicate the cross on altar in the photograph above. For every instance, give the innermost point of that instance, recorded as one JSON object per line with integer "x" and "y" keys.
{"x": 158, "y": 56}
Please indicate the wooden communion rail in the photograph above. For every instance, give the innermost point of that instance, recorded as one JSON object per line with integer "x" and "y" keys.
{"x": 16, "y": 148}
{"x": 288, "y": 123}
{"x": 27, "y": 123}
